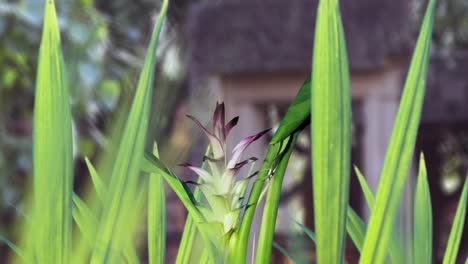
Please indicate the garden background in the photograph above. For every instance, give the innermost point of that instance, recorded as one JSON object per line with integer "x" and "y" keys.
{"x": 253, "y": 55}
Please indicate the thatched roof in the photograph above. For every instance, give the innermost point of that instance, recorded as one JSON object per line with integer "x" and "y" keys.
{"x": 270, "y": 35}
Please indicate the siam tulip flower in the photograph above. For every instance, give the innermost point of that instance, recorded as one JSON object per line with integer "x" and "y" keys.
{"x": 223, "y": 192}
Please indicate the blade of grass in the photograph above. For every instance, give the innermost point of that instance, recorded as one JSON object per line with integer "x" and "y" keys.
{"x": 156, "y": 217}
{"x": 395, "y": 248}
{"x": 453, "y": 244}
{"x": 270, "y": 211}
{"x": 356, "y": 228}
{"x": 53, "y": 155}
{"x": 99, "y": 185}
{"x": 286, "y": 253}
{"x": 124, "y": 177}
{"x": 400, "y": 150}
{"x": 422, "y": 241}
{"x": 331, "y": 133}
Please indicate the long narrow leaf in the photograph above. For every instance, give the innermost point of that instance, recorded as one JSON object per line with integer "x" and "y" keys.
{"x": 422, "y": 241}
{"x": 53, "y": 156}
{"x": 457, "y": 227}
{"x": 331, "y": 133}
{"x": 298, "y": 113}
{"x": 356, "y": 228}
{"x": 400, "y": 150}
{"x": 286, "y": 253}
{"x": 152, "y": 164}
{"x": 395, "y": 249}
{"x": 124, "y": 177}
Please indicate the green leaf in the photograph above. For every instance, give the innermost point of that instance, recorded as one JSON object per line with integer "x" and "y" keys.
{"x": 298, "y": 113}
{"x": 85, "y": 220}
{"x": 270, "y": 211}
{"x": 331, "y": 133}
{"x": 97, "y": 181}
{"x": 307, "y": 231}
{"x": 156, "y": 217}
{"x": 400, "y": 150}
{"x": 53, "y": 155}
{"x": 457, "y": 227}
{"x": 242, "y": 236}
{"x": 152, "y": 164}
{"x": 368, "y": 194}
{"x": 112, "y": 230}
{"x": 422, "y": 241}
{"x": 395, "y": 248}
{"x": 286, "y": 253}
{"x": 356, "y": 228}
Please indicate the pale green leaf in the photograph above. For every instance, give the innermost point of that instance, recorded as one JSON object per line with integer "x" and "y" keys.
{"x": 422, "y": 240}
{"x": 97, "y": 181}
{"x": 331, "y": 133}
{"x": 113, "y": 230}
{"x": 156, "y": 217}
{"x": 457, "y": 227}
{"x": 400, "y": 151}
{"x": 53, "y": 155}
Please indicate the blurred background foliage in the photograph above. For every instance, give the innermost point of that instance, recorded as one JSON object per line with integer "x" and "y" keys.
{"x": 104, "y": 43}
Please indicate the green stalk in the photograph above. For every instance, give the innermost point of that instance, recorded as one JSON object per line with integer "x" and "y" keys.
{"x": 400, "y": 150}
{"x": 331, "y": 133}
{"x": 156, "y": 217}
{"x": 241, "y": 237}
{"x": 53, "y": 155}
{"x": 270, "y": 212}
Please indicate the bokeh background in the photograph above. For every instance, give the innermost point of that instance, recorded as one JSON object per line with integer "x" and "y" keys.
{"x": 254, "y": 55}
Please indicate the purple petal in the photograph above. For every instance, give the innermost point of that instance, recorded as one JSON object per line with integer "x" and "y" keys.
{"x": 239, "y": 149}
{"x": 206, "y": 176}
{"x": 230, "y": 125}
{"x": 219, "y": 121}
{"x": 243, "y": 163}
{"x": 215, "y": 143}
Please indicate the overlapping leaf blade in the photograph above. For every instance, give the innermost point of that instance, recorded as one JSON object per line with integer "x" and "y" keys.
{"x": 112, "y": 228}
{"x": 400, "y": 150}
{"x": 53, "y": 156}
{"x": 453, "y": 243}
{"x": 331, "y": 133}
{"x": 298, "y": 113}
{"x": 422, "y": 240}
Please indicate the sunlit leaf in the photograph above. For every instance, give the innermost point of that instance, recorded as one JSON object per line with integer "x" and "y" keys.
{"x": 400, "y": 151}
{"x": 156, "y": 217}
{"x": 331, "y": 133}
{"x": 453, "y": 244}
{"x": 422, "y": 240}
{"x": 113, "y": 230}
{"x": 53, "y": 156}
